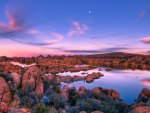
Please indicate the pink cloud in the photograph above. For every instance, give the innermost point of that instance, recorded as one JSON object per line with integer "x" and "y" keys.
{"x": 55, "y": 38}
{"x": 146, "y": 40}
{"x": 77, "y": 29}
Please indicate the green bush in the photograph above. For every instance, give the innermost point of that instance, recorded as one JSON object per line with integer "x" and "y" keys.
{"x": 41, "y": 109}
{"x": 73, "y": 96}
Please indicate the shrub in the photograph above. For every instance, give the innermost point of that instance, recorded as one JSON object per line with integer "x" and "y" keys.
{"x": 55, "y": 86}
{"x": 72, "y": 96}
{"x": 28, "y": 98}
{"x": 41, "y": 109}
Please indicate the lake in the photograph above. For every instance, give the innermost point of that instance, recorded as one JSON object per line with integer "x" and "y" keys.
{"x": 128, "y": 83}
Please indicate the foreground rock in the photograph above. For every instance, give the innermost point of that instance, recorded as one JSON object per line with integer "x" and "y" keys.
{"x": 143, "y": 109}
{"x": 96, "y": 90}
{"x": 97, "y": 112}
{"x": 32, "y": 79}
{"x": 5, "y": 94}
{"x": 113, "y": 93}
{"x": 3, "y": 107}
{"x": 16, "y": 78}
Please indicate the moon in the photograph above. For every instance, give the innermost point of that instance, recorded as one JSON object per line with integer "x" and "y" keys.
{"x": 90, "y": 12}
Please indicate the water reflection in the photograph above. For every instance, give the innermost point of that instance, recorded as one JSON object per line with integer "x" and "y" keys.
{"x": 127, "y": 82}
{"x": 146, "y": 82}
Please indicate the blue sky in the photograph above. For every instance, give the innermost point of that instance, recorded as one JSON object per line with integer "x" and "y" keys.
{"x": 73, "y": 27}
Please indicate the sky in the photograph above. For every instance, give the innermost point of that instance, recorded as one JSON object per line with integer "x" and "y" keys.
{"x": 73, "y": 27}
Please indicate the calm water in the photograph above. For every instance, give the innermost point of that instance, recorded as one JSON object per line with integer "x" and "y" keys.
{"x": 127, "y": 82}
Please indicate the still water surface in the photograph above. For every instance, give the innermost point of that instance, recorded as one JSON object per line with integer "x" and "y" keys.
{"x": 128, "y": 83}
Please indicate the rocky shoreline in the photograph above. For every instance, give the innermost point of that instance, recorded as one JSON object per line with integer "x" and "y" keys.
{"x": 33, "y": 91}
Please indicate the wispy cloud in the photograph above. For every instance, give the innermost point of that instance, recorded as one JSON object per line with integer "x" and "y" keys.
{"x": 145, "y": 40}
{"x": 113, "y": 49}
{"x": 17, "y": 29}
{"x": 77, "y": 29}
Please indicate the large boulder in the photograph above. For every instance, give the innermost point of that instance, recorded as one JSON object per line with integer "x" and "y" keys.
{"x": 141, "y": 109}
{"x": 16, "y": 78}
{"x": 5, "y": 94}
{"x": 3, "y": 107}
{"x": 32, "y": 79}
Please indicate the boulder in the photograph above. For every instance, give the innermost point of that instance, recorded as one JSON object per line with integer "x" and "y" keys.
{"x": 21, "y": 110}
{"x": 89, "y": 79}
{"x": 145, "y": 93}
{"x": 5, "y": 94}
{"x": 66, "y": 88}
{"x": 81, "y": 90}
{"x": 114, "y": 94}
{"x": 32, "y": 79}
{"x": 97, "y": 112}
{"x": 16, "y": 78}
{"x": 3, "y": 107}
{"x": 83, "y": 112}
{"x": 96, "y": 90}
{"x": 141, "y": 109}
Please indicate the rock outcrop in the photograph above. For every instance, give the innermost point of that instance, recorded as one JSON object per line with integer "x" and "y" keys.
{"x": 32, "y": 79}
{"x": 145, "y": 93}
{"x": 3, "y": 107}
{"x": 16, "y": 78}
{"x": 141, "y": 109}
{"x": 5, "y": 93}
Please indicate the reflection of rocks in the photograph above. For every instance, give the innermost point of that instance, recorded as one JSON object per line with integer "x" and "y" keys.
{"x": 142, "y": 109}
{"x": 146, "y": 82}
